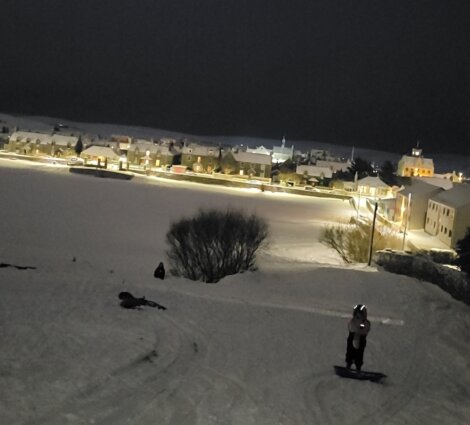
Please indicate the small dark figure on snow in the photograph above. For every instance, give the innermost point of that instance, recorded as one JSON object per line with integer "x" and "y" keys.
{"x": 358, "y": 328}
{"x": 129, "y": 301}
{"x": 159, "y": 272}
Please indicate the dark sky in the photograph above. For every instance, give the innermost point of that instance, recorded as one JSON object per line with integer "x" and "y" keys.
{"x": 375, "y": 73}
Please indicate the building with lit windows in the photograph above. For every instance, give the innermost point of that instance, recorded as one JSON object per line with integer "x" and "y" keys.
{"x": 412, "y": 202}
{"x": 415, "y": 165}
{"x": 448, "y": 214}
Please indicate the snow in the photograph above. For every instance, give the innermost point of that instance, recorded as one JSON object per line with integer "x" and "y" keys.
{"x": 256, "y": 348}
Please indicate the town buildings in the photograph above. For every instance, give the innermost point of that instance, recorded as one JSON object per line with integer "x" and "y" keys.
{"x": 37, "y": 144}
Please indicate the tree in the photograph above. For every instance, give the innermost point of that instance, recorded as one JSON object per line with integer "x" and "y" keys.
{"x": 288, "y": 166}
{"x": 362, "y": 167}
{"x": 228, "y": 163}
{"x": 79, "y": 146}
{"x": 352, "y": 242}
{"x": 214, "y": 244}
{"x": 463, "y": 252}
{"x": 387, "y": 173}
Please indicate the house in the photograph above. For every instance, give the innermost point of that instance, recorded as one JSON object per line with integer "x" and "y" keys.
{"x": 41, "y": 144}
{"x": 334, "y": 165}
{"x": 124, "y": 142}
{"x": 282, "y": 153}
{"x": 100, "y": 156}
{"x": 200, "y": 158}
{"x": 412, "y": 203}
{"x": 313, "y": 172}
{"x": 260, "y": 149}
{"x": 448, "y": 214}
{"x": 246, "y": 164}
{"x": 373, "y": 186}
{"x": 443, "y": 183}
{"x": 316, "y": 154}
{"x": 415, "y": 165}
{"x": 147, "y": 154}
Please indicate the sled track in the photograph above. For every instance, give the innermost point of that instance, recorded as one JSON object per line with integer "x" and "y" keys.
{"x": 314, "y": 395}
{"x": 313, "y": 310}
{"x": 412, "y": 381}
{"x": 139, "y": 387}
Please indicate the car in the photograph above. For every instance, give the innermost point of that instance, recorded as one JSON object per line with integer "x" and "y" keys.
{"x": 75, "y": 161}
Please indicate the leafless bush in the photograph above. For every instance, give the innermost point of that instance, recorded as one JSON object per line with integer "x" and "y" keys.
{"x": 214, "y": 244}
{"x": 352, "y": 241}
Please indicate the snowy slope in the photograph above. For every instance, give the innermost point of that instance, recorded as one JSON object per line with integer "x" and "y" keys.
{"x": 257, "y": 348}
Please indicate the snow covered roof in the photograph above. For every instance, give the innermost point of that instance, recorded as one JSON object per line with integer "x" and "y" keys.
{"x": 417, "y": 187}
{"x": 43, "y": 138}
{"x": 260, "y": 149}
{"x": 252, "y": 158}
{"x": 372, "y": 182}
{"x": 456, "y": 197}
{"x": 443, "y": 183}
{"x": 314, "y": 170}
{"x": 201, "y": 150}
{"x": 103, "y": 151}
{"x": 334, "y": 165}
{"x": 144, "y": 146}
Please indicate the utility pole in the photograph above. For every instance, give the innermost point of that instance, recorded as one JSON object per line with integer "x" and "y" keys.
{"x": 407, "y": 220}
{"x": 372, "y": 233}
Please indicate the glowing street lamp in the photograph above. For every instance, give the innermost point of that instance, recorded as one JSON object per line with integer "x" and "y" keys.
{"x": 407, "y": 221}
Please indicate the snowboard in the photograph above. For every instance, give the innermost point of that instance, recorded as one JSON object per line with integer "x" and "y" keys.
{"x": 362, "y": 375}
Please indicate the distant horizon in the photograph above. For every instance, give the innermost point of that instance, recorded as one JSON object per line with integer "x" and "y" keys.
{"x": 178, "y": 133}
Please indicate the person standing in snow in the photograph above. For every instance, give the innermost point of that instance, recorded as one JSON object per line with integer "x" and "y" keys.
{"x": 159, "y": 272}
{"x": 358, "y": 327}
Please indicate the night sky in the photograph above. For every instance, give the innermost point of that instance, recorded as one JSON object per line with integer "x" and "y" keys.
{"x": 376, "y": 73}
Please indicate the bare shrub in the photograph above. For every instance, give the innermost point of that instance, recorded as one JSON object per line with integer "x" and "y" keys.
{"x": 214, "y": 244}
{"x": 352, "y": 241}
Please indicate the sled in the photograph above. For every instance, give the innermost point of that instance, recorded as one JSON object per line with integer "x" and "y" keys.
{"x": 362, "y": 375}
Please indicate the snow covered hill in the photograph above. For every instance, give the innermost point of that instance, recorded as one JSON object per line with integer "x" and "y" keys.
{"x": 257, "y": 348}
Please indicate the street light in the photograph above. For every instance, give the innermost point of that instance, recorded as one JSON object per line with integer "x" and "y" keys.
{"x": 372, "y": 233}
{"x": 407, "y": 220}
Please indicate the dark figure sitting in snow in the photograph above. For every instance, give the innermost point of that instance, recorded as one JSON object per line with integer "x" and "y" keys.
{"x": 159, "y": 272}
{"x": 129, "y": 301}
{"x": 358, "y": 328}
